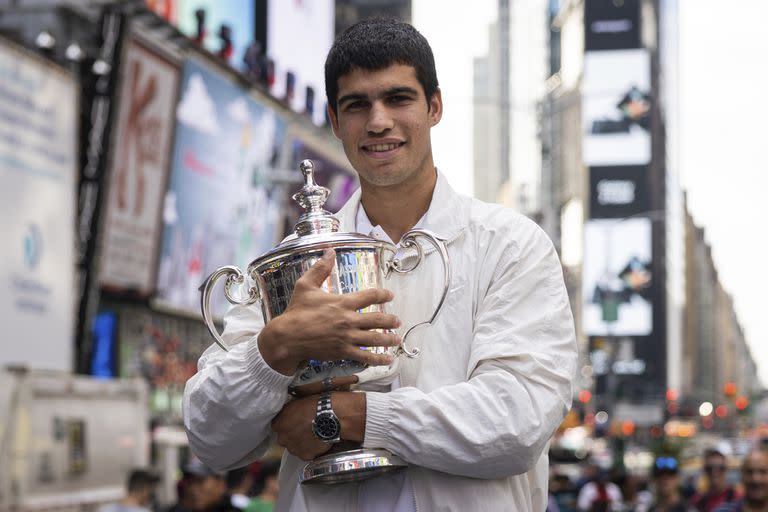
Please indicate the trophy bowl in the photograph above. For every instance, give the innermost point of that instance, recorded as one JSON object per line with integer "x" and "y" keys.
{"x": 362, "y": 262}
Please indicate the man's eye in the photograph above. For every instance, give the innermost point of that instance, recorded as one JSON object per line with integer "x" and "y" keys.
{"x": 355, "y": 105}
{"x": 398, "y": 98}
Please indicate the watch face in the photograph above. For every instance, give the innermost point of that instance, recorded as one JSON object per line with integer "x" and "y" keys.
{"x": 326, "y": 426}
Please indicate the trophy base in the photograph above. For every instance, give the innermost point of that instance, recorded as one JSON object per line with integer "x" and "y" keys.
{"x": 350, "y": 466}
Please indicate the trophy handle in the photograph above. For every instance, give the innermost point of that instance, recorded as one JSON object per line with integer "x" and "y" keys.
{"x": 410, "y": 240}
{"x": 234, "y": 276}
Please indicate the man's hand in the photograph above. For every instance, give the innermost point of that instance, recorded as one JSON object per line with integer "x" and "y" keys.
{"x": 326, "y": 326}
{"x": 293, "y": 425}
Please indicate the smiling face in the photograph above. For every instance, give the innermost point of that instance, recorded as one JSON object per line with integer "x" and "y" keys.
{"x": 383, "y": 120}
{"x": 754, "y": 474}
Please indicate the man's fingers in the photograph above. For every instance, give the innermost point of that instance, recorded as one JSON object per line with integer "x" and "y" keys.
{"x": 376, "y": 339}
{"x": 369, "y": 358}
{"x": 320, "y": 271}
{"x": 376, "y": 321}
{"x": 365, "y": 298}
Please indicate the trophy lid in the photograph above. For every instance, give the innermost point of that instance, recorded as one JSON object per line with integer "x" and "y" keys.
{"x": 315, "y": 220}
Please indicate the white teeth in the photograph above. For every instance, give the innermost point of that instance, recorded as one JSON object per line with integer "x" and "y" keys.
{"x": 382, "y": 147}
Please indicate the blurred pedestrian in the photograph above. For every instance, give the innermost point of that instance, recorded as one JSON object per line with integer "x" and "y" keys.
{"x": 209, "y": 488}
{"x": 717, "y": 491}
{"x": 634, "y": 496}
{"x": 754, "y": 476}
{"x": 239, "y": 484}
{"x": 268, "y": 488}
{"x": 599, "y": 494}
{"x": 564, "y": 491}
{"x": 140, "y": 489}
{"x": 666, "y": 483}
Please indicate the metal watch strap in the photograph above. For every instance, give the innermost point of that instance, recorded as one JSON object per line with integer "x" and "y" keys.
{"x": 324, "y": 403}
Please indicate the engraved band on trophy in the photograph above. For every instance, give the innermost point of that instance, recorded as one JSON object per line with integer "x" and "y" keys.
{"x": 362, "y": 262}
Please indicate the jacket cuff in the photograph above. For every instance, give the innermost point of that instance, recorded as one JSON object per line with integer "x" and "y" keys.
{"x": 264, "y": 373}
{"x": 377, "y": 415}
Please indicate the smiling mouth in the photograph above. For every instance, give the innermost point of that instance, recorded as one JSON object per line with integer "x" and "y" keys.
{"x": 381, "y": 148}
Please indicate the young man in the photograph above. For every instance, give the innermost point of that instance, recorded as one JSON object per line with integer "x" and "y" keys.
{"x": 754, "y": 476}
{"x": 472, "y": 415}
{"x": 140, "y": 489}
{"x": 717, "y": 489}
{"x": 666, "y": 482}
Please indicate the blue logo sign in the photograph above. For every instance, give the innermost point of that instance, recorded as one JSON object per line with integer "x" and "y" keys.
{"x": 33, "y": 245}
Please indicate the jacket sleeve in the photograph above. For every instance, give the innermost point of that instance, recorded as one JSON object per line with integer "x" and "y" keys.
{"x": 229, "y": 403}
{"x": 519, "y": 377}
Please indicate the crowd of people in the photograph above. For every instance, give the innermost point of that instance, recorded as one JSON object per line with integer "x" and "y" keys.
{"x": 600, "y": 490}
{"x": 253, "y": 488}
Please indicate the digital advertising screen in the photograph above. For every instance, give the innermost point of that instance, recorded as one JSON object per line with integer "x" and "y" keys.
{"x": 616, "y": 107}
{"x": 618, "y": 191}
{"x": 238, "y": 15}
{"x": 221, "y": 207}
{"x": 617, "y": 277}
{"x": 611, "y": 24}
{"x": 39, "y": 115}
{"x": 299, "y": 35}
{"x": 138, "y": 171}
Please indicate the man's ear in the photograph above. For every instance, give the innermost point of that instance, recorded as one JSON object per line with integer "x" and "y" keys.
{"x": 436, "y": 107}
{"x": 334, "y": 121}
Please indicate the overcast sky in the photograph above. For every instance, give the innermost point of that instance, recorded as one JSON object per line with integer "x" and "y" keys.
{"x": 724, "y": 147}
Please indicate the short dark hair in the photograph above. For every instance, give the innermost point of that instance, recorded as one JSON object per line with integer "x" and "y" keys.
{"x": 374, "y": 44}
{"x": 140, "y": 479}
{"x": 713, "y": 452}
{"x": 236, "y": 477}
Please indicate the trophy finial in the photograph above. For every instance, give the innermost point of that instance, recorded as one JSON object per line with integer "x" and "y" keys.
{"x": 312, "y": 197}
{"x": 307, "y": 168}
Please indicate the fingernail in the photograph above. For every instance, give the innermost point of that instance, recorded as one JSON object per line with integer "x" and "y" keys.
{"x": 398, "y": 339}
{"x": 328, "y": 253}
{"x": 398, "y": 322}
{"x": 388, "y": 360}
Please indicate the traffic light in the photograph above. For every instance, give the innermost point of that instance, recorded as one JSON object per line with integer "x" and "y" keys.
{"x": 742, "y": 403}
{"x": 729, "y": 389}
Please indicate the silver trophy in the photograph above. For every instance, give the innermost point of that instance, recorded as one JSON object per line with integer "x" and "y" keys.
{"x": 362, "y": 262}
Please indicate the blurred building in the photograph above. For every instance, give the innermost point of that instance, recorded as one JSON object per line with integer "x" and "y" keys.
{"x": 716, "y": 353}
{"x": 508, "y": 86}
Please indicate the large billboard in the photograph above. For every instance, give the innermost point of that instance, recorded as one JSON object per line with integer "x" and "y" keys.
{"x": 38, "y": 162}
{"x": 616, "y": 107}
{"x": 616, "y": 277}
{"x": 221, "y": 207}
{"x": 299, "y": 35}
{"x": 138, "y": 171}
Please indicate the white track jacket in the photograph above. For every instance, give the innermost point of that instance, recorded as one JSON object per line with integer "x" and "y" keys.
{"x": 475, "y": 411}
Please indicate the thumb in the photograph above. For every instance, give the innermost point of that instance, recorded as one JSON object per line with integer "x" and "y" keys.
{"x": 319, "y": 272}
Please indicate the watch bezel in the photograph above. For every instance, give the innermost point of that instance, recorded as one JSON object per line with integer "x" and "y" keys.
{"x": 332, "y": 436}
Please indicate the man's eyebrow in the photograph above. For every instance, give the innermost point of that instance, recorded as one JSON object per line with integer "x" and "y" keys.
{"x": 355, "y": 96}
{"x": 400, "y": 90}
{"x": 352, "y": 97}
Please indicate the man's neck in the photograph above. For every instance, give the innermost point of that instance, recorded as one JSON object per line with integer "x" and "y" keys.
{"x": 132, "y": 501}
{"x": 669, "y": 500}
{"x": 397, "y": 209}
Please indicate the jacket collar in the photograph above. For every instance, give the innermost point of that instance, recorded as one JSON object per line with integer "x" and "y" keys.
{"x": 447, "y": 215}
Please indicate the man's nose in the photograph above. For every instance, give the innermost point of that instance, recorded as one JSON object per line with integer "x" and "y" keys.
{"x": 379, "y": 118}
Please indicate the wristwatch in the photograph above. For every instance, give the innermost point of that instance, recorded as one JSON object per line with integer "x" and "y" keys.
{"x": 326, "y": 425}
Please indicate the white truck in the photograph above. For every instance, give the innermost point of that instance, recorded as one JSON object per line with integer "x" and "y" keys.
{"x": 67, "y": 442}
